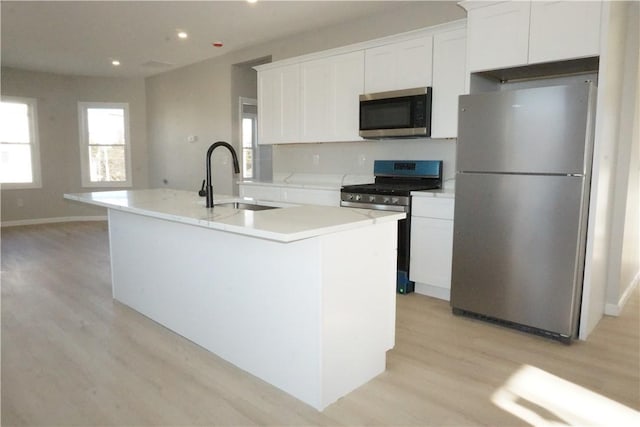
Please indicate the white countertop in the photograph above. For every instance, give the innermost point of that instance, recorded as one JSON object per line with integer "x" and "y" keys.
{"x": 287, "y": 224}
{"x": 336, "y": 182}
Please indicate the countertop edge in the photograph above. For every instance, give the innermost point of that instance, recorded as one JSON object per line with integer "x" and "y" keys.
{"x": 242, "y": 230}
{"x": 441, "y": 194}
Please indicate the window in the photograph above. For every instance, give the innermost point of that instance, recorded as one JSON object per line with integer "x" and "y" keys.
{"x": 248, "y": 135}
{"x": 104, "y": 144}
{"x": 19, "y": 150}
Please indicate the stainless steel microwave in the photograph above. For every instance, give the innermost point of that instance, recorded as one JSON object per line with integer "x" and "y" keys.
{"x": 396, "y": 114}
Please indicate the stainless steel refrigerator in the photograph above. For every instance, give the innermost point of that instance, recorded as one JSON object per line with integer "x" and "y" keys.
{"x": 522, "y": 193}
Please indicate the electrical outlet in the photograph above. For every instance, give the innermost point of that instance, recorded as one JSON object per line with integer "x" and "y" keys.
{"x": 192, "y": 138}
{"x": 316, "y": 159}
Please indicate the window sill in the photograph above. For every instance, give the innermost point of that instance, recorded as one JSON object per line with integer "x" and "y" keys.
{"x": 112, "y": 184}
{"x": 20, "y": 186}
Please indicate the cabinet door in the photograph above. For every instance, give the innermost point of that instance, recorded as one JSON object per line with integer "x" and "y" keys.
{"x": 402, "y": 65}
{"x": 564, "y": 30}
{"x": 349, "y": 85}
{"x": 330, "y": 90}
{"x": 449, "y": 74}
{"x": 317, "y": 82}
{"x": 279, "y": 105}
{"x": 269, "y": 113}
{"x": 431, "y": 251}
{"x": 498, "y": 35}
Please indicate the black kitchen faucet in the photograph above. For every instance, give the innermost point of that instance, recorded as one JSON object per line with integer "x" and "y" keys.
{"x": 236, "y": 168}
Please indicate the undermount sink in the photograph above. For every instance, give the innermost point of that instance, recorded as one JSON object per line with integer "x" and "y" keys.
{"x": 245, "y": 206}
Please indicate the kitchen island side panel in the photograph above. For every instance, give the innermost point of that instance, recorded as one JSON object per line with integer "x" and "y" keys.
{"x": 253, "y": 302}
{"x": 359, "y": 306}
{"x": 256, "y": 303}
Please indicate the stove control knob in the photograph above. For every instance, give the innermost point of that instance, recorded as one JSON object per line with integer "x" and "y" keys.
{"x": 358, "y": 197}
{"x": 350, "y": 196}
{"x": 385, "y": 200}
{"x": 372, "y": 199}
{"x": 394, "y": 200}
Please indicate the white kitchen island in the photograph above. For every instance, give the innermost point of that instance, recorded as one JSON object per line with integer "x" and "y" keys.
{"x": 302, "y": 297}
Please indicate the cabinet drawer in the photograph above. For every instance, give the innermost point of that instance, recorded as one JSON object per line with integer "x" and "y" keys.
{"x": 311, "y": 196}
{"x": 432, "y": 207}
{"x": 261, "y": 192}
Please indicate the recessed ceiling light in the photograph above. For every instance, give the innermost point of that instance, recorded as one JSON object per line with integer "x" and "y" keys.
{"x": 182, "y": 35}
{"x": 252, "y": 1}
{"x": 115, "y": 63}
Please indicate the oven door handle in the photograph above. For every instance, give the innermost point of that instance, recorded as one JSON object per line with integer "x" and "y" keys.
{"x": 392, "y": 208}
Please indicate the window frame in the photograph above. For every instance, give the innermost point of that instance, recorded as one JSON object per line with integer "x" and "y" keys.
{"x": 85, "y": 169}
{"x": 254, "y": 146}
{"x": 32, "y": 108}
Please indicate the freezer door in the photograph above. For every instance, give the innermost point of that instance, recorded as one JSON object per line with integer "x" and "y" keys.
{"x": 517, "y": 252}
{"x": 538, "y": 130}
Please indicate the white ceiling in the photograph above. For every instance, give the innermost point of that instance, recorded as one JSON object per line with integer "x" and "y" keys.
{"x": 82, "y": 37}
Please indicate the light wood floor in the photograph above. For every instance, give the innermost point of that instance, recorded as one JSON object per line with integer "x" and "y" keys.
{"x": 73, "y": 356}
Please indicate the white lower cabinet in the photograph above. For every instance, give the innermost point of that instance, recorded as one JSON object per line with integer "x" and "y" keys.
{"x": 431, "y": 246}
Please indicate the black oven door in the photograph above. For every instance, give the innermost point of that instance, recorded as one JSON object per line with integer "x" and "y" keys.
{"x": 403, "y": 284}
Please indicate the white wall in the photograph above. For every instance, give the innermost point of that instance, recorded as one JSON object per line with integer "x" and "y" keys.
{"x": 200, "y": 100}
{"x": 624, "y": 257}
{"x": 357, "y": 157}
{"x": 606, "y": 210}
{"x": 57, "y": 103}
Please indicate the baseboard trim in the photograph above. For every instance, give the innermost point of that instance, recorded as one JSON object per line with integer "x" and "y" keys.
{"x": 38, "y": 221}
{"x": 616, "y": 309}
{"x": 432, "y": 291}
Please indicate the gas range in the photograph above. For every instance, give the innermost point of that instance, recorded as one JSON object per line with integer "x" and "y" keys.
{"x": 394, "y": 182}
{"x": 391, "y": 191}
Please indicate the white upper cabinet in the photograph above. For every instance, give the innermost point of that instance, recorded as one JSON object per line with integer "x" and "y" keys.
{"x": 575, "y": 24}
{"x": 279, "y": 105}
{"x": 315, "y": 98}
{"x": 449, "y": 58}
{"x": 498, "y": 35}
{"x": 317, "y": 76}
{"x": 348, "y": 86}
{"x": 515, "y": 33}
{"x": 330, "y": 90}
{"x": 401, "y": 65}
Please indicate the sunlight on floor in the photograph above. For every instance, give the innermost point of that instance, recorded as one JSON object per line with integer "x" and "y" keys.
{"x": 542, "y": 399}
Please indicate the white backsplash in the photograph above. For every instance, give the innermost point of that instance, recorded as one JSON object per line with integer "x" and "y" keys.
{"x": 356, "y": 158}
